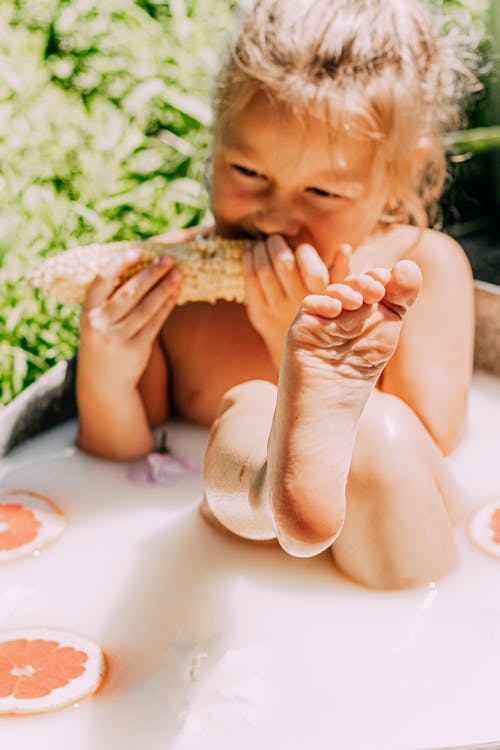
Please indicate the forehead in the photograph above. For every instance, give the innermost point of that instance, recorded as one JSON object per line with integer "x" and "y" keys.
{"x": 279, "y": 138}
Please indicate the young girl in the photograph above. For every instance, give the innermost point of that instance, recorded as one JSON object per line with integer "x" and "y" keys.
{"x": 335, "y": 392}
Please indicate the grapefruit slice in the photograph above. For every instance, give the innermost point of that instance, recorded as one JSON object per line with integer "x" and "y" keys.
{"x": 28, "y": 521}
{"x": 484, "y": 528}
{"x": 43, "y": 670}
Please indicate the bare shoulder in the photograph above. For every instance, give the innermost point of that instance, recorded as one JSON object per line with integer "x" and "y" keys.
{"x": 432, "y": 366}
{"x": 439, "y": 256}
{"x": 447, "y": 292}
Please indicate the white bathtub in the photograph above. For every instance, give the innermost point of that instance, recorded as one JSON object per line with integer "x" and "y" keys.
{"x": 219, "y": 643}
{"x": 214, "y": 642}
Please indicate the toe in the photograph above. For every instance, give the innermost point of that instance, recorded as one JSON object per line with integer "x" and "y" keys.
{"x": 371, "y": 288}
{"x": 322, "y": 306}
{"x": 404, "y": 286}
{"x": 380, "y": 274}
{"x": 350, "y": 298}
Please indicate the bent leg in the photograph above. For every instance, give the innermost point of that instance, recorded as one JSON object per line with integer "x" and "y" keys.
{"x": 335, "y": 350}
{"x": 235, "y": 461}
{"x": 402, "y": 499}
{"x": 401, "y": 502}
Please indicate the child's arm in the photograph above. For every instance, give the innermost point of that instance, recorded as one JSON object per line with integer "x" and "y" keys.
{"x": 432, "y": 366}
{"x": 121, "y": 369}
{"x": 153, "y": 386}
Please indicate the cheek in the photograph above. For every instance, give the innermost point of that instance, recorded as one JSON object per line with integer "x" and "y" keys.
{"x": 365, "y": 216}
{"x": 340, "y": 226}
{"x": 228, "y": 198}
{"x": 351, "y": 225}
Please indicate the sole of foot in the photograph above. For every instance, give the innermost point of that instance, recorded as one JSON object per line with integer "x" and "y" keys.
{"x": 336, "y": 349}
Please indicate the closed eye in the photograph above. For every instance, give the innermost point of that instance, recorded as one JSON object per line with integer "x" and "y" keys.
{"x": 323, "y": 193}
{"x": 246, "y": 171}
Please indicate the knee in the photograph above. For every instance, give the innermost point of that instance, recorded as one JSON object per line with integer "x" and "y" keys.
{"x": 390, "y": 415}
{"x": 397, "y": 532}
{"x": 258, "y": 394}
{"x": 389, "y": 432}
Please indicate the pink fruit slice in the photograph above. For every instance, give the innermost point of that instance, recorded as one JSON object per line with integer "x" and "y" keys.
{"x": 43, "y": 669}
{"x": 484, "y": 528}
{"x": 28, "y": 521}
{"x": 494, "y": 525}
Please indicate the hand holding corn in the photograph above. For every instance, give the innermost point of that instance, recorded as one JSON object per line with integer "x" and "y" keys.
{"x": 118, "y": 341}
{"x": 211, "y": 268}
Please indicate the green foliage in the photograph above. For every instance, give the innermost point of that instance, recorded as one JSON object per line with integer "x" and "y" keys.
{"x": 104, "y": 115}
{"x": 473, "y": 196}
{"x": 104, "y": 119}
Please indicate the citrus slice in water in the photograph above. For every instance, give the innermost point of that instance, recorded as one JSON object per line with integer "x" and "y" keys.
{"x": 43, "y": 669}
{"x": 28, "y": 522}
{"x": 484, "y": 528}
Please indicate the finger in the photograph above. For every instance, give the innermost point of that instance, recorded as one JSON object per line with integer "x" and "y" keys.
{"x": 154, "y": 300}
{"x": 129, "y": 294}
{"x": 152, "y": 328}
{"x": 184, "y": 235}
{"x": 103, "y": 286}
{"x": 269, "y": 283}
{"x": 371, "y": 289}
{"x": 340, "y": 266}
{"x": 313, "y": 271}
{"x": 350, "y": 298}
{"x": 285, "y": 266}
{"x": 252, "y": 286}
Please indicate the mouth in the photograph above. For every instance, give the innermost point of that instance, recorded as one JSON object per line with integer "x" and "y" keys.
{"x": 251, "y": 234}
{"x": 241, "y": 233}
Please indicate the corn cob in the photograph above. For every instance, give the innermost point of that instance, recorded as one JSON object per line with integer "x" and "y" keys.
{"x": 211, "y": 268}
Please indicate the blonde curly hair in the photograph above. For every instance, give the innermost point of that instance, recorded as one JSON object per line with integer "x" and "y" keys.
{"x": 382, "y": 68}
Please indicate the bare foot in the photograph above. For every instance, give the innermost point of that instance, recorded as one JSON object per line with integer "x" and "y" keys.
{"x": 336, "y": 349}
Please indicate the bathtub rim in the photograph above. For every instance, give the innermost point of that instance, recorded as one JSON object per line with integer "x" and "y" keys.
{"x": 51, "y": 400}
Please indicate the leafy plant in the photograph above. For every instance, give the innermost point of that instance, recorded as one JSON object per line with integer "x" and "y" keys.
{"x": 104, "y": 116}
{"x": 104, "y": 123}
{"x": 473, "y": 197}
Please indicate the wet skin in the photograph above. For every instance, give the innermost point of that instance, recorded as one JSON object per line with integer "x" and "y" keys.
{"x": 312, "y": 204}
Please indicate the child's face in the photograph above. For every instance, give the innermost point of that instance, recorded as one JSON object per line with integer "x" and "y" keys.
{"x": 273, "y": 174}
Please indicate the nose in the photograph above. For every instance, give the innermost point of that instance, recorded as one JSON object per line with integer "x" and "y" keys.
{"x": 277, "y": 218}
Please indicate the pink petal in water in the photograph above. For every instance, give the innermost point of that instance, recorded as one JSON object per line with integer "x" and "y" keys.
{"x": 161, "y": 468}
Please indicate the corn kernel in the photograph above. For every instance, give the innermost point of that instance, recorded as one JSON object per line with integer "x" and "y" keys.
{"x": 211, "y": 268}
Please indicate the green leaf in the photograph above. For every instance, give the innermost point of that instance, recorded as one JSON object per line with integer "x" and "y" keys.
{"x": 475, "y": 140}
